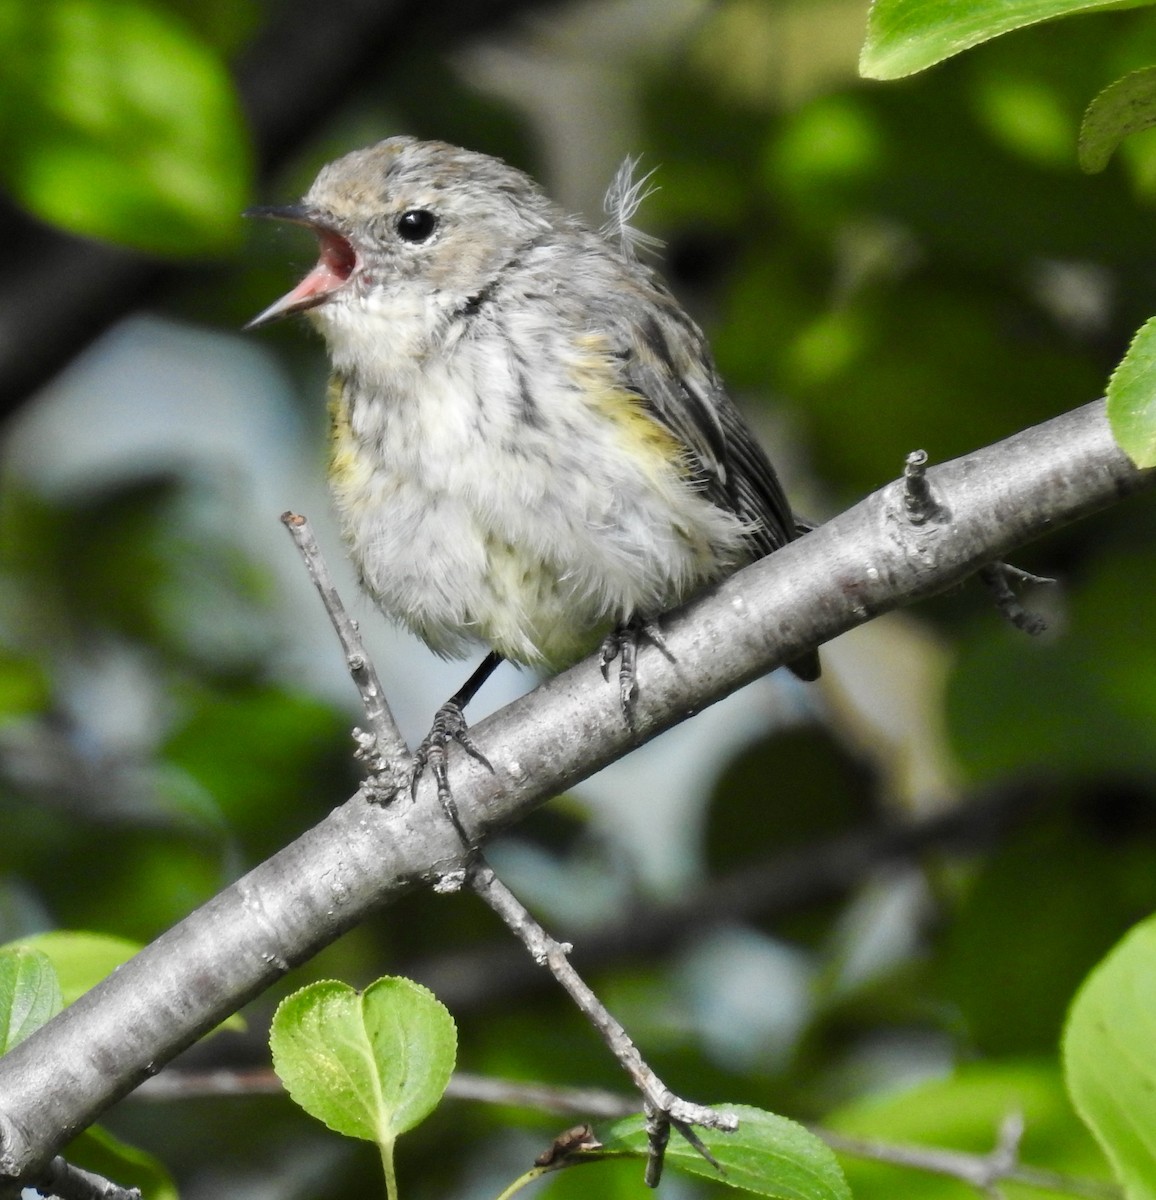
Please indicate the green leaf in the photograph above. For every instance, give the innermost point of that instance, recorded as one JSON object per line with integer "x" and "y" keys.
{"x": 367, "y": 1064}
{"x": 905, "y": 36}
{"x": 1110, "y": 1058}
{"x": 29, "y": 994}
{"x": 97, "y": 1150}
{"x": 1122, "y": 108}
{"x": 118, "y": 122}
{"x": 767, "y": 1154}
{"x": 1132, "y": 398}
{"x": 80, "y": 960}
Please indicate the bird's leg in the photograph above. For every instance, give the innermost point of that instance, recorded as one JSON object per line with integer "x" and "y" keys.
{"x": 622, "y": 643}
{"x": 449, "y": 725}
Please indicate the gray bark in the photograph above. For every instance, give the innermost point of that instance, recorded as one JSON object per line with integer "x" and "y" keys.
{"x": 870, "y": 559}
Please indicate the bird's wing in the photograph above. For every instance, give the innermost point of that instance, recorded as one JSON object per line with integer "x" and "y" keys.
{"x": 666, "y": 363}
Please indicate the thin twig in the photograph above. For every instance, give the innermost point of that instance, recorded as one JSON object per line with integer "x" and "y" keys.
{"x": 980, "y": 1171}
{"x": 545, "y": 1097}
{"x": 495, "y": 973}
{"x": 998, "y": 578}
{"x": 662, "y": 1107}
{"x": 919, "y": 500}
{"x": 69, "y": 1182}
{"x": 176, "y": 1083}
{"x": 382, "y": 748}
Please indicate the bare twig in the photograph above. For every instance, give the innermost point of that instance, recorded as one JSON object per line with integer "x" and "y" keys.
{"x": 981, "y": 1171}
{"x": 175, "y": 1083}
{"x": 545, "y": 1097}
{"x": 69, "y": 1182}
{"x": 382, "y": 749}
{"x": 662, "y": 1107}
{"x": 919, "y": 500}
{"x": 495, "y": 972}
{"x": 998, "y": 578}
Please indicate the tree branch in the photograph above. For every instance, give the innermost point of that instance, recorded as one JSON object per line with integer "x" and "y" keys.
{"x": 866, "y": 561}
{"x": 981, "y": 1171}
{"x": 64, "y": 1181}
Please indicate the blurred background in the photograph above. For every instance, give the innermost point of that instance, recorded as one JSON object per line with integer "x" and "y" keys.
{"x": 867, "y": 901}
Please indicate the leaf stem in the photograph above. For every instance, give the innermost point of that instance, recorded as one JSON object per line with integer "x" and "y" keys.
{"x": 523, "y": 1179}
{"x": 386, "y": 1148}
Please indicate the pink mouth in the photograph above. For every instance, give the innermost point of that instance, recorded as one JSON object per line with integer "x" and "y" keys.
{"x": 337, "y": 262}
{"x": 335, "y": 265}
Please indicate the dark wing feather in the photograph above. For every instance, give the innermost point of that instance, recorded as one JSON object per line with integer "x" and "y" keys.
{"x": 667, "y": 364}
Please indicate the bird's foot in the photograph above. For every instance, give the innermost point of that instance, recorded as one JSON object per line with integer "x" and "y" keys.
{"x": 623, "y": 643}
{"x": 449, "y": 725}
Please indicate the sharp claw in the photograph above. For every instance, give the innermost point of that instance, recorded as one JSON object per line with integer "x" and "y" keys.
{"x": 623, "y": 643}
{"x": 652, "y": 631}
{"x": 468, "y": 744}
{"x": 449, "y": 725}
{"x": 611, "y": 644}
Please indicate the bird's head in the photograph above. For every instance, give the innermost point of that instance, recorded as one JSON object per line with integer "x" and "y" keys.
{"x": 407, "y": 231}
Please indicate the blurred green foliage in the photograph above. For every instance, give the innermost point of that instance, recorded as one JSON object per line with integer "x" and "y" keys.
{"x": 120, "y": 122}
{"x": 879, "y": 268}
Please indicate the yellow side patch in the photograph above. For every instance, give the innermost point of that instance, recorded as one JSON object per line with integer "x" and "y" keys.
{"x": 346, "y": 468}
{"x": 641, "y": 436}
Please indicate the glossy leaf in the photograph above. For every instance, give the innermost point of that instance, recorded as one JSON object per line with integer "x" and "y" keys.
{"x": 80, "y": 960}
{"x": 1110, "y": 1058}
{"x": 97, "y": 1150}
{"x": 905, "y": 36}
{"x": 1132, "y": 398}
{"x": 1122, "y": 108}
{"x": 367, "y": 1064}
{"x": 29, "y": 994}
{"x": 768, "y": 1155}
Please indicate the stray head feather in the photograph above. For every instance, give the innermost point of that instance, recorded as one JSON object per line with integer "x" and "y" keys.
{"x": 623, "y": 198}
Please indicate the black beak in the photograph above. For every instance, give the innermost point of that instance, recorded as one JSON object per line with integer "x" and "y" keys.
{"x": 296, "y": 214}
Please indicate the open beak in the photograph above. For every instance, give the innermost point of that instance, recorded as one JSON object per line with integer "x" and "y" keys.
{"x": 335, "y": 264}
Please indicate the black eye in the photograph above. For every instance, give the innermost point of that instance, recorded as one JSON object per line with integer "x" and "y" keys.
{"x": 416, "y": 224}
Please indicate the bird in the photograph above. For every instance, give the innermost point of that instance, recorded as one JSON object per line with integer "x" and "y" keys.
{"x": 531, "y": 448}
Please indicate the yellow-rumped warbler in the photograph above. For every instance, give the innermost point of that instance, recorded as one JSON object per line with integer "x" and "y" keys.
{"x": 531, "y": 447}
